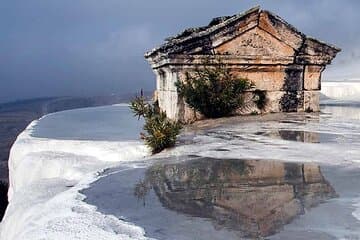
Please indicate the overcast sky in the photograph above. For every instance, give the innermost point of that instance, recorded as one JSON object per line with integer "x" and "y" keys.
{"x": 96, "y": 47}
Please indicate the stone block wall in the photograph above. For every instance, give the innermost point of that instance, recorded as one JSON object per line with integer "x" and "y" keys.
{"x": 293, "y": 88}
{"x": 257, "y": 45}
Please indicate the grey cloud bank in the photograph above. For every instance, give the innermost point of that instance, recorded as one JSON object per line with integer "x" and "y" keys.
{"x": 91, "y": 47}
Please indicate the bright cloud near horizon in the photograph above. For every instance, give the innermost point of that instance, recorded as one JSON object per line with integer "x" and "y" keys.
{"x": 91, "y": 47}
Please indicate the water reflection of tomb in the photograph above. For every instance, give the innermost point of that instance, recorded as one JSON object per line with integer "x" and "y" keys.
{"x": 301, "y": 136}
{"x": 298, "y": 136}
{"x": 252, "y": 196}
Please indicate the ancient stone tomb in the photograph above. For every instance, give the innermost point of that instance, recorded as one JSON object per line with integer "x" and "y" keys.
{"x": 258, "y": 45}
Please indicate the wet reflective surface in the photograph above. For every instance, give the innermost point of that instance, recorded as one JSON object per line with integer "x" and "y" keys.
{"x": 222, "y": 196}
{"x": 302, "y": 136}
{"x": 107, "y": 123}
{"x": 208, "y": 198}
{"x": 253, "y": 197}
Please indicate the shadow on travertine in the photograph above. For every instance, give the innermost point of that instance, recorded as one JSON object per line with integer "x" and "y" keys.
{"x": 254, "y": 197}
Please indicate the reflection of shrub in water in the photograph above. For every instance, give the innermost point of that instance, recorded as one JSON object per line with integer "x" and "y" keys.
{"x": 142, "y": 188}
{"x": 3, "y": 198}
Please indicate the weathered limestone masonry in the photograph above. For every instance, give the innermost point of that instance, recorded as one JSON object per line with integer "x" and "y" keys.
{"x": 257, "y": 45}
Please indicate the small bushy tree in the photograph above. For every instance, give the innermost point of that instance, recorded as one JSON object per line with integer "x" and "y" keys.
{"x": 161, "y": 132}
{"x": 213, "y": 90}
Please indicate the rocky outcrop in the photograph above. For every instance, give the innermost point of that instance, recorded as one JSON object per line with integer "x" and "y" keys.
{"x": 257, "y": 45}
{"x": 252, "y": 196}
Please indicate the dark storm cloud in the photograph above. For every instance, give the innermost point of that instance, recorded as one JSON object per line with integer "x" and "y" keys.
{"x": 92, "y": 47}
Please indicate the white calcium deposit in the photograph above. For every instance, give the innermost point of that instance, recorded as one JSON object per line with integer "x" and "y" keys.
{"x": 61, "y": 154}
{"x": 342, "y": 90}
{"x": 46, "y": 176}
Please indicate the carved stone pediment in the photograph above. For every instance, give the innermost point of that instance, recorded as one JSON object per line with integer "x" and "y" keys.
{"x": 255, "y": 42}
{"x": 255, "y": 32}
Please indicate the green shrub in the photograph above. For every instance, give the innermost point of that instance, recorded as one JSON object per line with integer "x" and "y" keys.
{"x": 161, "y": 132}
{"x": 213, "y": 90}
